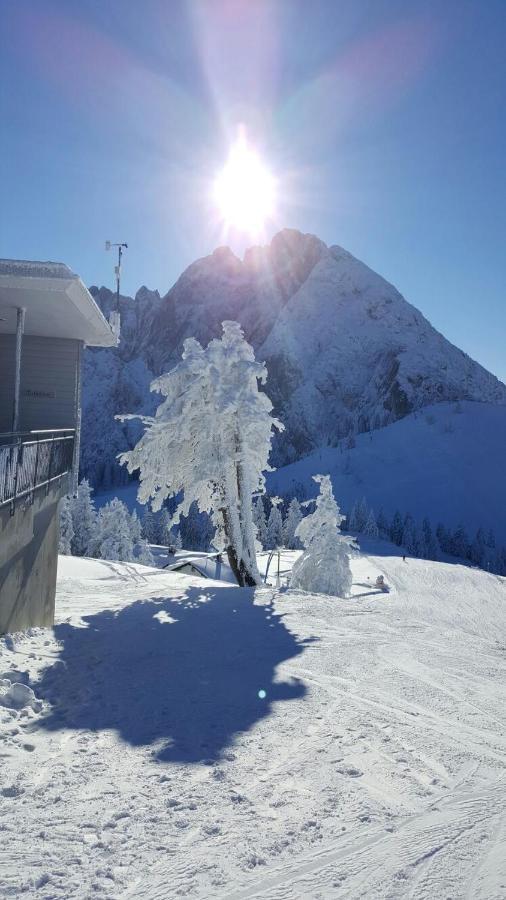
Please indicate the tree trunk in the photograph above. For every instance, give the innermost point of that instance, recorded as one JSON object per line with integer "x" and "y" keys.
{"x": 241, "y": 572}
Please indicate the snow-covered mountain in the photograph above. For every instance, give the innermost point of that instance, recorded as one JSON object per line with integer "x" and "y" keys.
{"x": 345, "y": 352}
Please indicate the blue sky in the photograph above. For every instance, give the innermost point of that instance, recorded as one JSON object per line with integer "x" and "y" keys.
{"x": 383, "y": 120}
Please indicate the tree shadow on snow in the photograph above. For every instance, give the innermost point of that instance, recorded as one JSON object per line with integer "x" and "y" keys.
{"x": 185, "y": 675}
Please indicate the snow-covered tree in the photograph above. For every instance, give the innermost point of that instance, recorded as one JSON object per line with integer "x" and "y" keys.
{"x": 260, "y": 520}
{"x": 274, "y": 528}
{"x": 115, "y": 535}
{"x": 460, "y": 542}
{"x": 477, "y": 549}
{"x": 292, "y": 521}
{"x": 358, "y": 515}
{"x": 164, "y": 526}
{"x": 383, "y": 524}
{"x": 84, "y": 521}
{"x": 396, "y": 528}
{"x": 210, "y": 441}
{"x": 150, "y": 529}
{"x": 66, "y": 527}
{"x": 324, "y": 566}
{"x": 371, "y": 528}
{"x": 443, "y": 537}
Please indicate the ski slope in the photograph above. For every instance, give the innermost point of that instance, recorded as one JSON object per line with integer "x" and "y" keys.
{"x": 182, "y": 740}
{"x": 445, "y": 462}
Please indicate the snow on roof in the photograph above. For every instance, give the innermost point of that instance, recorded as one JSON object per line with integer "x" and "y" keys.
{"x": 35, "y": 269}
{"x": 56, "y": 302}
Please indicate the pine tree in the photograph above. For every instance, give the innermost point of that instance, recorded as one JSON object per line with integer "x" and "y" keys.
{"x": 477, "y": 549}
{"x": 149, "y": 526}
{"x": 396, "y": 529}
{"x": 210, "y": 441}
{"x": 443, "y": 537}
{"x": 165, "y": 526}
{"x": 324, "y": 565}
{"x": 371, "y": 528}
{"x": 290, "y": 525}
{"x": 66, "y": 527}
{"x": 460, "y": 542}
{"x": 490, "y": 539}
{"x": 84, "y": 521}
{"x": 274, "y": 529}
{"x": 260, "y": 520}
{"x": 383, "y": 524}
{"x": 115, "y": 532}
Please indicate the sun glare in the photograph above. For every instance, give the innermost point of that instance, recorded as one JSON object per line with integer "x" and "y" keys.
{"x": 245, "y": 191}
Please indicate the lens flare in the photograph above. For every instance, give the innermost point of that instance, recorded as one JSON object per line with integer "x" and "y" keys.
{"x": 245, "y": 191}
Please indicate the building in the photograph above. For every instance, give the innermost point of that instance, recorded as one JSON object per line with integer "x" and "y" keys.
{"x": 47, "y": 316}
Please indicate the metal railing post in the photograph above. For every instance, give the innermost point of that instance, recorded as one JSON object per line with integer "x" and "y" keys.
{"x": 18, "y": 463}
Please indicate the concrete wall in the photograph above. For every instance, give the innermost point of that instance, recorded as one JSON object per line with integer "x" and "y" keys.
{"x": 28, "y": 559}
{"x": 48, "y": 382}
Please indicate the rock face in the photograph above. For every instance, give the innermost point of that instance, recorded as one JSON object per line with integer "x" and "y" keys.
{"x": 345, "y": 352}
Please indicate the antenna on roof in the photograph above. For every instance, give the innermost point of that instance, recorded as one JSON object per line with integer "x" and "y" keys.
{"x": 114, "y": 317}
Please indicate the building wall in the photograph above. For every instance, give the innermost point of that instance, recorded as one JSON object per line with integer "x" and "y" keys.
{"x": 48, "y": 382}
{"x": 28, "y": 559}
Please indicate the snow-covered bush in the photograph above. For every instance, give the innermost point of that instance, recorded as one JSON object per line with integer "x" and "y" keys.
{"x": 210, "y": 441}
{"x": 324, "y": 566}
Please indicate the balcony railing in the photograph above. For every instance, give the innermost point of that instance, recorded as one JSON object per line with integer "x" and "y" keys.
{"x": 33, "y": 459}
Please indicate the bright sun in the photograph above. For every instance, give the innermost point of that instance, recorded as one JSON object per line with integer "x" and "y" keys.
{"x": 245, "y": 191}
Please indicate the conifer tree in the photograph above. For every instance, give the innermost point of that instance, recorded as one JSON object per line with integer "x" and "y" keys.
{"x": 324, "y": 565}
{"x": 66, "y": 527}
{"x": 210, "y": 441}
{"x": 260, "y": 520}
{"x": 274, "y": 528}
{"x": 396, "y": 528}
{"x": 290, "y": 525}
{"x": 371, "y": 528}
{"x": 84, "y": 520}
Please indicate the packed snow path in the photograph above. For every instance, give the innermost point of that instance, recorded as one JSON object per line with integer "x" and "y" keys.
{"x": 142, "y": 759}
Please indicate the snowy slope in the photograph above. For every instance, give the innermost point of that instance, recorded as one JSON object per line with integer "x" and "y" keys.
{"x": 445, "y": 462}
{"x": 373, "y": 767}
{"x": 344, "y": 350}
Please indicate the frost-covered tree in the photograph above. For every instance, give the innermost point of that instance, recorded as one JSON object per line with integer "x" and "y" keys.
{"x": 150, "y": 529}
{"x": 324, "y": 566}
{"x": 490, "y": 542}
{"x": 66, "y": 527}
{"x": 84, "y": 521}
{"x": 358, "y": 515}
{"x": 115, "y": 532}
{"x": 396, "y": 528}
{"x": 383, "y": 524}
{"x": 260, "y": 520}
{"x": 274, "y": 527}
{"x": 371, "y": 528}
{"x": 292, "y": 521}
{"x": 210, "y": 441}
{"x": 443, "y": 537}
{"x": 460, "y": 542}
{"x": 477, "y": 549}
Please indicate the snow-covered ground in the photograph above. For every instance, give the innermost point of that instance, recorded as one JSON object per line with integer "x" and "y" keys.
{"x": 445, "y": 462}
{"x": 182, "y": 740}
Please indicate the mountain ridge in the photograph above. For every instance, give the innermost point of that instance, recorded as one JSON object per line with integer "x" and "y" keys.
{"x": 346, "y": 353}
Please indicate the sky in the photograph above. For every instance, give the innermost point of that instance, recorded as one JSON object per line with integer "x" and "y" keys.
{"x": 383, "y": 123}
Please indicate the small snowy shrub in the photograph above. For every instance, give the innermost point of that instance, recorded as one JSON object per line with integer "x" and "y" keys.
{"x": 324, "y": 566}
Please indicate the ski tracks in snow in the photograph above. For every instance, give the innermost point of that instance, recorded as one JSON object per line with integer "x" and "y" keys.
{"x": 385, "y": 780}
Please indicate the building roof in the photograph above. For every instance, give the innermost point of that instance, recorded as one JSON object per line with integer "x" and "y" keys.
{"x": 56, "y": 301}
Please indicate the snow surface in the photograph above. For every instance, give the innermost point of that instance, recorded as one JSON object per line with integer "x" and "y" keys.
{"x": 193, "y": 743}
{"x": 445, "y": 462}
